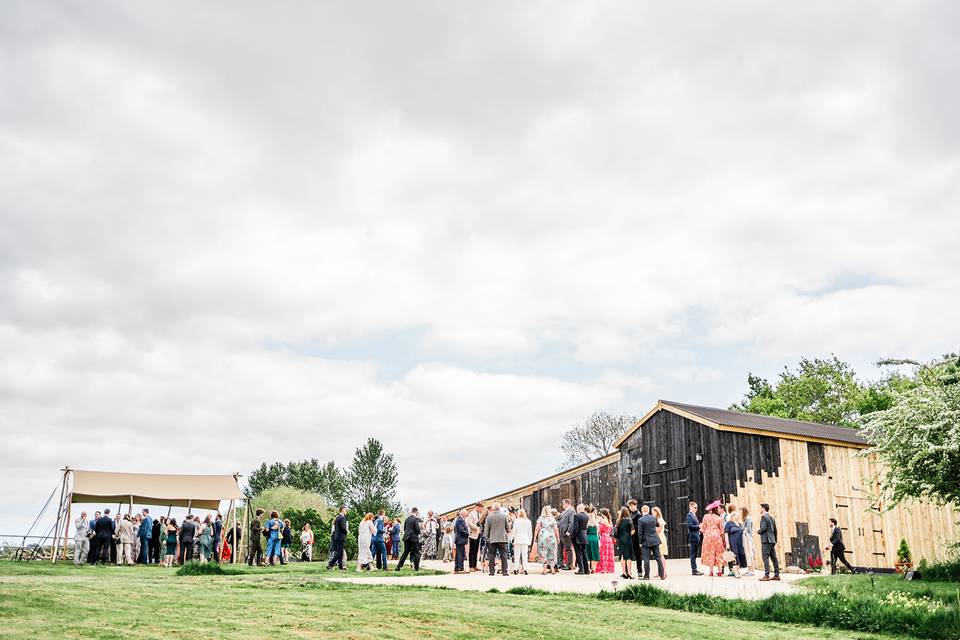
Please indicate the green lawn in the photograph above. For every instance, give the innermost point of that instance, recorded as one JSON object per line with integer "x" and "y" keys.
{"x": 38, "y": 600}
{"x": 881, "y": 584}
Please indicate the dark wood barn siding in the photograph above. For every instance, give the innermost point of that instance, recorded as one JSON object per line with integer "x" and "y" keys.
{"x": 659, "y": 466}
{"x": 599, "y": 487}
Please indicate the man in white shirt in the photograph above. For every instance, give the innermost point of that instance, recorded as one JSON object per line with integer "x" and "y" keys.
{"x": 473, "y": 523}
{"x": 81, "y": 539}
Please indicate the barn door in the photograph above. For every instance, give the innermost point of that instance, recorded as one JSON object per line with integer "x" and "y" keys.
{"x": 845, "y": 521}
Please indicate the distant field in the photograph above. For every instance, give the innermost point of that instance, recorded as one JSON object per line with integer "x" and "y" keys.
{"x": 38, "y": 600}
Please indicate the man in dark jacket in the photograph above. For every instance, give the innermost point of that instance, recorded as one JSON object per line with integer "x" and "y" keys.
{"x": 217, "y": 537}
{"x": 256, "y": 544}
{"x": 649, "y": 543}
{"x": 411, "y": 540}
{"x": 837, "y": 548}
{"x": 581, "y": 521}
{"x": 94, "y": 556}
{"x": 338, "y": 537}
{"x": 103, "y": 529}
{"x": 768, "y": 543}
{"x": 188, "y": 531}
{"x": 693, "y": 538}
{"x": 635, "y": 519}
{"x": 461, "y": 533}
{"x": 568, "y": 527}
{"x": 155, "y": 540}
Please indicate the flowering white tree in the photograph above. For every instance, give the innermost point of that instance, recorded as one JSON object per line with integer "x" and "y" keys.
{"x": 918, "y": 438}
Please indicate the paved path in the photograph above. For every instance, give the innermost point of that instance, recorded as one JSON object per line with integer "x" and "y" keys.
{"x": 678, "y": 571}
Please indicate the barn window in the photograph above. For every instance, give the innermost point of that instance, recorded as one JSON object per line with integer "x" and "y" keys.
{"x": 816, "y": 459}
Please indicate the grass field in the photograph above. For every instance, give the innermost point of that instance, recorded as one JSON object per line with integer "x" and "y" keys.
{"x": 947, "y": 593}
{"x": 38, "y": 600}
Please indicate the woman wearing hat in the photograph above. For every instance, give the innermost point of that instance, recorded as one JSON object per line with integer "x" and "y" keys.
{"x": 711, "y": 550}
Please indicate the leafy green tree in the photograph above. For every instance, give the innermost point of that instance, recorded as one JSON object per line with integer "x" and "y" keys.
{"x": 308, "y": 475}
{"x": 918, "y": 436}
{"x": 371, "y": 480}
{"x": 820, "y": 390}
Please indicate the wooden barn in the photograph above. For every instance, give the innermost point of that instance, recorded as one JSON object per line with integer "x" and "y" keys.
{"x": 807, "y": 472}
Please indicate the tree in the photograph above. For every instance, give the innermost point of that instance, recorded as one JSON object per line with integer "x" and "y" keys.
{"x": 308, "y": 475}
{"x": 824, "y": 391}
{"x": 593, "y": 438}
{"x": 371, "y": 480}
{"x": 918, "y": 436}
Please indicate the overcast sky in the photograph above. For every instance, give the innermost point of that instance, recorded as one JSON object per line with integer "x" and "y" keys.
{"x": 266, "y": 231}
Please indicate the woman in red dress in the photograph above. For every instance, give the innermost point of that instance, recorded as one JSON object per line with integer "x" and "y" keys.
{"x": 711, "y": 550}
{"x": 605, "y": 525}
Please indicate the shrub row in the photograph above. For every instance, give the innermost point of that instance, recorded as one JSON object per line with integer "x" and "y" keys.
{"x": 948, "y": 571}
{"x": 822, "y": 608}
{"x": 194, "y": 568}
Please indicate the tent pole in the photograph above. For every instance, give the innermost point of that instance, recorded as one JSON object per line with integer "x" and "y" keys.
{"x": 66, "y": 528}
{"x": 130, "y": 508}
{"x": 246, "y": 529}
{"x": 189, "y": 506}
{"x": 233, "y": 528}
{"x": 56, "y": 527}
{"x": 169, "y": 509}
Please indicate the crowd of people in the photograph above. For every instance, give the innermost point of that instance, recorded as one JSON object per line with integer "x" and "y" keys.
{"x": 142, "y": 539}
{"x": 574, "y": 537}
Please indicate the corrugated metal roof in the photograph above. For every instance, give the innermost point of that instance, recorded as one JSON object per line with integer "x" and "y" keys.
{"x": 799, "y": 428}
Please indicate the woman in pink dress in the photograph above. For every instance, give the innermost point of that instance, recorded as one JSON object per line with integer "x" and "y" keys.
{"x": 606, "y": 564}
{"x": 711, "y": 550}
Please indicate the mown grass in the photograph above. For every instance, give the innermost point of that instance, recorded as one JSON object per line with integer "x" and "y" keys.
{"x": 148, "y": 602}
{"x": 887, "y": 611}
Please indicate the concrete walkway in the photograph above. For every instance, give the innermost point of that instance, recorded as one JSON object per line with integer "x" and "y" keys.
{"x": 679, "y": 580}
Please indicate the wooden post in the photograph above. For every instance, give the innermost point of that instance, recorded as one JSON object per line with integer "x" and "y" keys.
{"x": 56, "y": 526}
{"x": 233, "y": 528}
{"x": 169, "y": 509}
{"x": 189, "y": 506}
{"x": 130, "y": 508}
{"x": 66, "y": 529}
{"x": 246, "y": 528}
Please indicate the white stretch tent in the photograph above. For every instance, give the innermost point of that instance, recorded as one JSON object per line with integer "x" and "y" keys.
{"x": 161, "y": 489}
{"x": 166, "y": 489}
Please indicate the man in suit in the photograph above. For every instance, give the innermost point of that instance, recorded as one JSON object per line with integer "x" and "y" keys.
{"x": 649, "y": 543}
{"x": 581, "y": 521}
{"x": 635, "y": 519}
{"x": 496, "y": 527}
{"x": 473, "y": 523}
{"x": 94, "y": 555}
{"x": 693, "y": 537}
{"x": 217, "y": 537}
{"x": 378, "y": 544}
{"x": 145, "y": 532}
{"x": 256, "y": 545}
{"x": 461, "y": 533}
{"x": 188, "y": 531}
{"x": 104, "y": 529}
{"x": 837, "y": 548}
{"x": 81, "y": 541}
{"x": 411, "y": 540}
{"x": 568, "y": 527}
{"x": 155, "y": 534}
{"x": 338, "y": 538}
{"x": 768, "y": 543}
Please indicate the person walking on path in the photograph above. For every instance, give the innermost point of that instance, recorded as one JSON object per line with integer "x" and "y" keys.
{"x": 547, "y": 537}
{"x": 496, "y": 527}
{"x": 768, "y": 543}
{"x": 837, "y": 548}
{"x": 337, "y": 539}
{"x": 411, "y": 540}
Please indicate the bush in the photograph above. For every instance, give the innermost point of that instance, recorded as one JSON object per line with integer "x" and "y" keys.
{"x": 527, "y": 591}
{"x": 903, "y": 552}
{"x": 948, "y": 571}
{"x": 896, "y": 613}
{"x": 194, "y": 568}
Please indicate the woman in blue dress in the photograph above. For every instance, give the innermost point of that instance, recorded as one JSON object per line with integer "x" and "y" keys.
{"x": 733, "y": 535}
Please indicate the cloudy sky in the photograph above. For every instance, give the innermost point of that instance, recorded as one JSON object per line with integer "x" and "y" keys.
{"x": 234, "y": 233}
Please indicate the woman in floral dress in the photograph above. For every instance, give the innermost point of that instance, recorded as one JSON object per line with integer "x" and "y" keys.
{"x": 711, "y": 550}
{"x": 547, "y": 535}
{"x": 606, "y": 564}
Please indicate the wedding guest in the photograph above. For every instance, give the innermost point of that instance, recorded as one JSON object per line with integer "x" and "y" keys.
{"x": 256, "y": 546}
{"x": 395, "y": 538}
{"x": 338, "y": 537}
{"x": 461, "y": 539}
{"x": 473, "y": 522}
{"x": 206, "y": 539}
{"x": 521, "y": 534}
{"x": 145, "y": 533}
{"x": 94, "y": 556}
{"x": 661, "y": 530}
{"x": 411, "y": 540}
{"x": 155, "y": 539}
{"x": 749, "y": 546}
{"x": 365, "y": 531}
{"x": 711, "y": 552}
{"x": 188, "y": 532}
{"x": 81, "y": 539}
{"x": 547, "y": 536}
{"x": 693, "y": 537}
{"x": 126, "y": 534}
{"x": 170, "y": 542}
{"x": 379, "y": 547}
{"x": 286, "y": 540}
{"x": 593, "y": 538}
{"x": 607, "y": 564}
{"x": 446, "y": 544}
{"x": 733, "y": 537}
{"x": 768, "y": 543}
{"x": 625, "y": 536}
{"x": 306, "y": 543}
{"x": 217, "y": 536}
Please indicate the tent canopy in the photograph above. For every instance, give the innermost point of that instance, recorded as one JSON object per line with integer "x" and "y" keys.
{"x": 162, "y": 489}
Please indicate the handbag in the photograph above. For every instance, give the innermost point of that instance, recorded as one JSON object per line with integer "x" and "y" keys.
{"x": 91, "y": 534}
{"x": 728, "y": 556}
